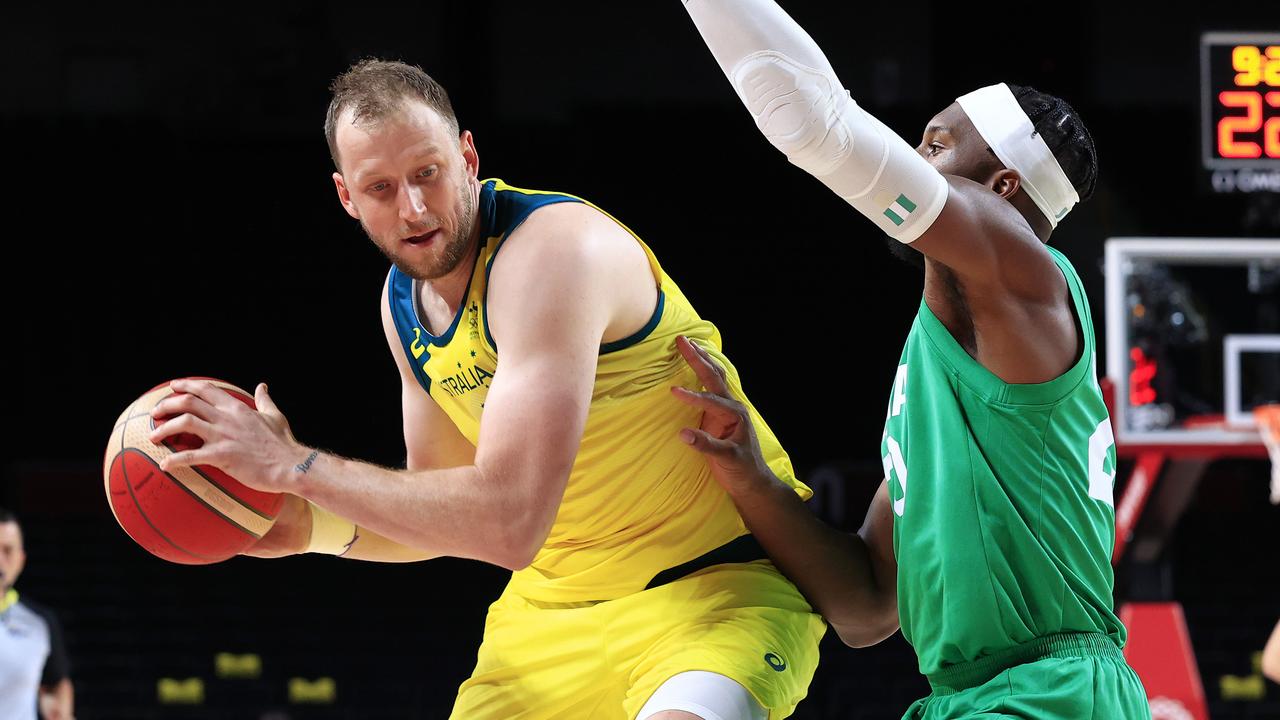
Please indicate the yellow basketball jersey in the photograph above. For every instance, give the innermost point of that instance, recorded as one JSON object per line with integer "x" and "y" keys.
{"x": 638, "y": 500}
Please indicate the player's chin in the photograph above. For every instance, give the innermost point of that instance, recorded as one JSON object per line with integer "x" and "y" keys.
{"x": 416, "y": 265}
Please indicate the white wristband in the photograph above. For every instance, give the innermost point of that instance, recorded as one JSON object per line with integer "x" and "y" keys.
{"x": 330, "y": 534}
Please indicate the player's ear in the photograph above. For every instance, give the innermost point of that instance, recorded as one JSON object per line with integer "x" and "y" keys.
{"x": 1005, "y": 183}
{"x": 344, "y": 196}
{"x": 467, "y": 144}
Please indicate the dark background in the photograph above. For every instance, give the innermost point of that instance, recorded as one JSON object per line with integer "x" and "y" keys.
{"x": 170, "y": 212}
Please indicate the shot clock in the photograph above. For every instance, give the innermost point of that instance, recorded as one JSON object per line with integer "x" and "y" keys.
{"x": 1240, "y": 96}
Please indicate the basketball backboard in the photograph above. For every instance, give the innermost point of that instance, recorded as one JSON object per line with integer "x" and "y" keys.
{"x": 1193, "y": 339}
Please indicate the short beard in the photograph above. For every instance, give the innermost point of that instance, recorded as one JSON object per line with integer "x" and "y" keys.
{"x": 905, "y": 253}
{"x": 452, "y": 254}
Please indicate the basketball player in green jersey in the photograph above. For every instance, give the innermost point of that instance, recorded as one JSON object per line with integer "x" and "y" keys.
{"x": 990, "y": 541}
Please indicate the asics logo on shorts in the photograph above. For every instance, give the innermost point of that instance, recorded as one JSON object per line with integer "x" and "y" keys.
{"x": 775, "y": 661}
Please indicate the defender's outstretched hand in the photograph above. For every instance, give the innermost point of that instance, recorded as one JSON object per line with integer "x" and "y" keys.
{"x": 726, "y": 435}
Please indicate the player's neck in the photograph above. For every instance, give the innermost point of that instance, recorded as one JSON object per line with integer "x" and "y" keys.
{"x": 1040, "y": 225}
{"x": 451, "y": 288}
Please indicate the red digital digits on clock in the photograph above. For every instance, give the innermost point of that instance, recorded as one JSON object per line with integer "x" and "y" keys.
{"x": 1241, "y": 88}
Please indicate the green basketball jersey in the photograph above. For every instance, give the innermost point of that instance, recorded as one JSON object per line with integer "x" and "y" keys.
{"x": 1002, "y": 498}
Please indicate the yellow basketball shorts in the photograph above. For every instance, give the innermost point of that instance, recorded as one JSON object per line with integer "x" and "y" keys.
{"x": 602, "y": 661}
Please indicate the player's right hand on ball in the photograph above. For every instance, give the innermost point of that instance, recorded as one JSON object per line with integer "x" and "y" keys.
{"x": 289, "y": 535}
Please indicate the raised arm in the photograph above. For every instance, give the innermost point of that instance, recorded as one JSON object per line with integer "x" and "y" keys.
{"x": 985, "y": 230}
{"x": 803, "y": 110}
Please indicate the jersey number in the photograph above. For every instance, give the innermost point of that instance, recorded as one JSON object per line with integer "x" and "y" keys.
{"x": 1101, "y": 480}
{"x": 894, "y": 464}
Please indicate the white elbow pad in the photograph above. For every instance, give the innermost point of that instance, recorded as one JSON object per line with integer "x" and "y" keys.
{"x": 807, "y": 115}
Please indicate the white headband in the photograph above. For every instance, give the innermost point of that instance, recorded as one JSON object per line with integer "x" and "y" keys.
{"x": 1007, "y": 129}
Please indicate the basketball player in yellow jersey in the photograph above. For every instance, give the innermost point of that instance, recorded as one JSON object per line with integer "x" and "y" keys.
{"x": 535, "y": 337}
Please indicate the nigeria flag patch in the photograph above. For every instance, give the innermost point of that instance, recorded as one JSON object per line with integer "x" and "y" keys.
{"x": 900, "y": 209}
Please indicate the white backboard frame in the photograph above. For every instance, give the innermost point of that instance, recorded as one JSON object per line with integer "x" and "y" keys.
{"x": 1232, "y": 347}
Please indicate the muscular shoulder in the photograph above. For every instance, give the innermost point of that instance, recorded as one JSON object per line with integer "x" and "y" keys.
{"x": 571, "y": 243}
{"x": 573, "y": 253}
{"x": 568, "y": 233}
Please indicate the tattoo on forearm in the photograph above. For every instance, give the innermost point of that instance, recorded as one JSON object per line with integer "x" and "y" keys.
{"x": 354, "y": 537}
{"x": 305, "y": 465}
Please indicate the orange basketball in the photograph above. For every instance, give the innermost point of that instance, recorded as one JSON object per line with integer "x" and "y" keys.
{"x": 195, "y": 515}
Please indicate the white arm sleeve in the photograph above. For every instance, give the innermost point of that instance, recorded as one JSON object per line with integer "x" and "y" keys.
{"x": 799, "y": 104}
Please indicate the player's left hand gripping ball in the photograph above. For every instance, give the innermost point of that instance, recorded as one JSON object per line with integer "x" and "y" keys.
{"x": 254, "y": 446}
